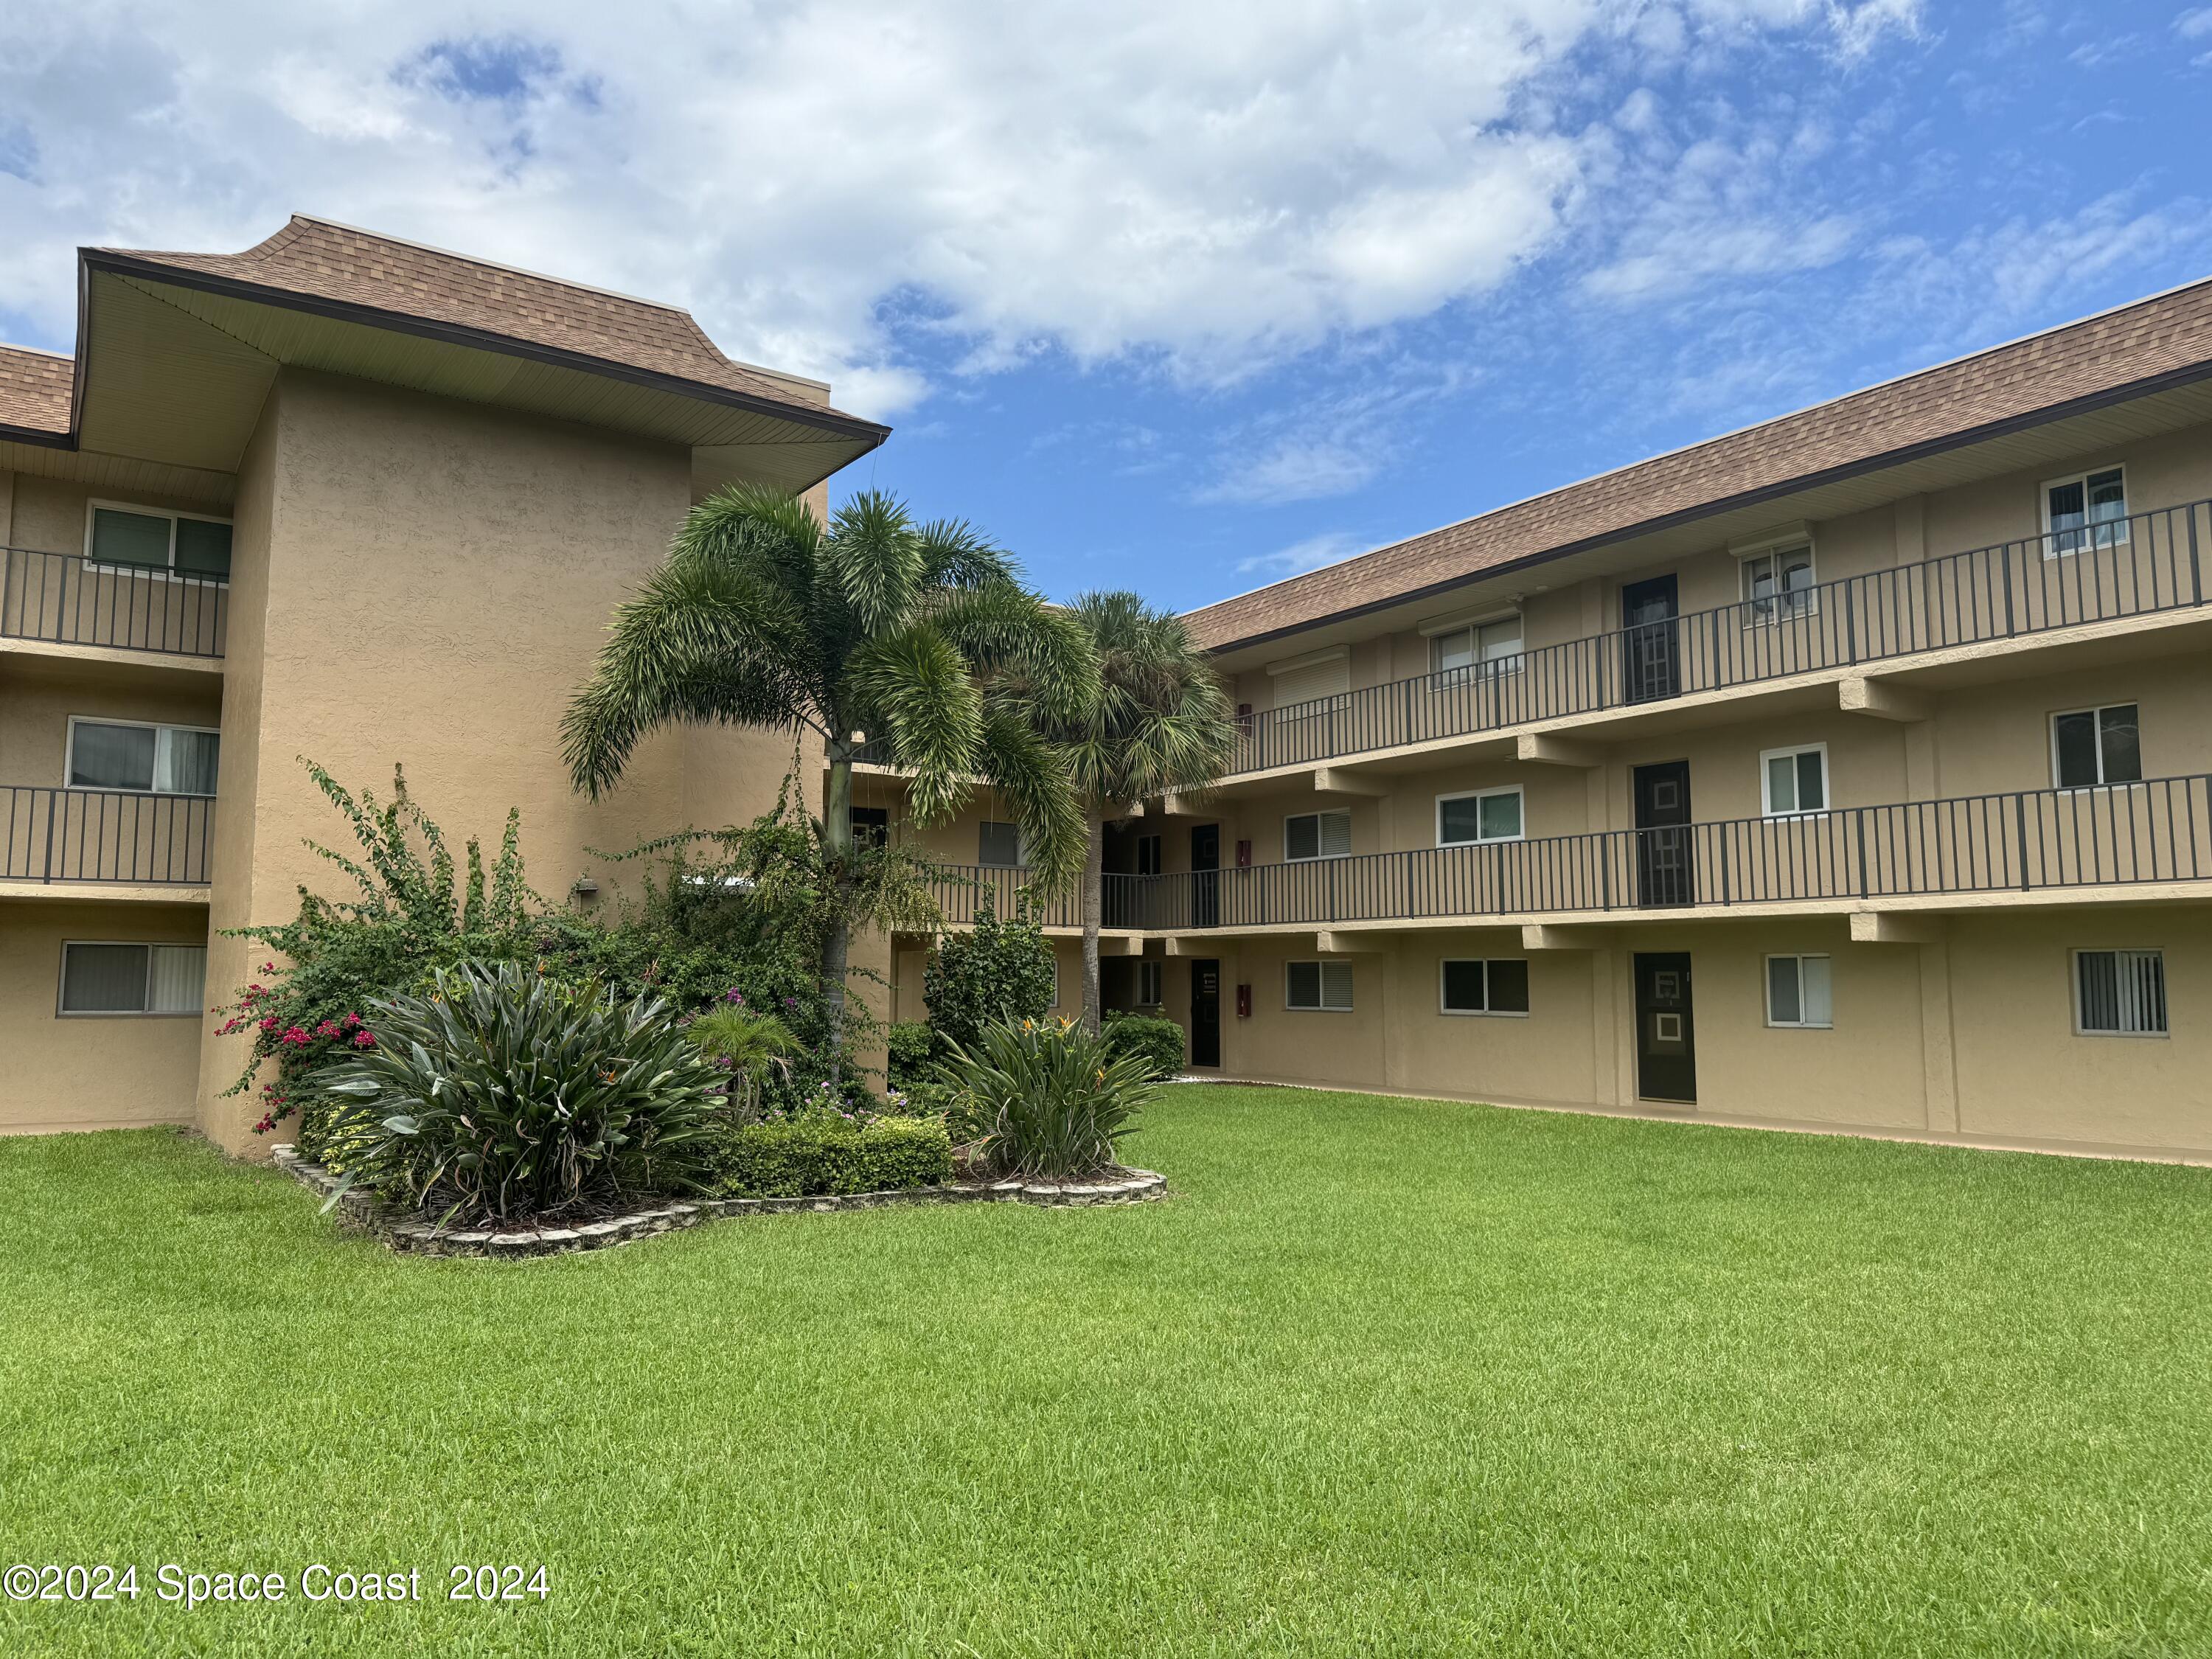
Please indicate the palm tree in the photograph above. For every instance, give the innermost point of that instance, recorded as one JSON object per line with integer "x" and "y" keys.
{"x": 1161, "y": 721}
{"x": 917, "y": 637}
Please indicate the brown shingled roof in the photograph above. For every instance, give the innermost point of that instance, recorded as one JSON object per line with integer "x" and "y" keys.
{"x": 34, "y": 391}
{"x": 2167, "y": 336}
{"x": 319, "y": 260}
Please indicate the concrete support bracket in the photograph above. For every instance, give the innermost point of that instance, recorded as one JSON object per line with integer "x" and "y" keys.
{"x": 1349, "y": 945}
{"x": 1857, "y": 693}
{"x": 1545, "y": 936}
{"x": 1544, "y": 751}
{"x": 1340, "y": 780}
{"x": 1897, "y": 927}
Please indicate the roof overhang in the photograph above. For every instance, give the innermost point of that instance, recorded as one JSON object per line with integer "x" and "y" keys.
{"x": 2156, "y": 403}
{"x": 173, "y": 368}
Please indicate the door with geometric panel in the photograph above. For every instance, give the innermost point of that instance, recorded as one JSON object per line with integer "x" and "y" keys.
{"x": 1666, "y": 1033}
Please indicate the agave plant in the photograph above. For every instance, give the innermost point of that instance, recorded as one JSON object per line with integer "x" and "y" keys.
{"x": 748, "y": 1046}
{"x": 1046, "y": 1097}
{"x": 518, "y": 1095}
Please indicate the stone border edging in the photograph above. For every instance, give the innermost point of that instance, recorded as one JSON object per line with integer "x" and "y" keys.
{"x": 421, "y": 1239}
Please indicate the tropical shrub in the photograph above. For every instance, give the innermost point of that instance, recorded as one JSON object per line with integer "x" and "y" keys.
{"x": 1159, "y": 1041}
{"x": 817, "y": 1152}
{"x": 505, "y": 1095}
{"x": 998, "y": 971}
{"x": 726, "y": 919}
{"x": 1046, "y": 1097}
{"x": 911, "y": 1047}
{"x": 752, "y": 1048}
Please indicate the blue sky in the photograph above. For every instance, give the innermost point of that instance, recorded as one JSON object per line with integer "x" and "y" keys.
{"x": 1186, "y": 299}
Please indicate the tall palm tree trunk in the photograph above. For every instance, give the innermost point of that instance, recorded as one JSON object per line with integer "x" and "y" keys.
{"x": 837, "y": 941}
{"x": 1094, "y": 884}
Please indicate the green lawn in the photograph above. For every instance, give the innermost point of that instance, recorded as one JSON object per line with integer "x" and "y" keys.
{"x": 1385, "y": 1376}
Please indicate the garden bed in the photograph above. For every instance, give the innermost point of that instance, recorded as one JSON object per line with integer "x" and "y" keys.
{"x": 413, "y": 1235}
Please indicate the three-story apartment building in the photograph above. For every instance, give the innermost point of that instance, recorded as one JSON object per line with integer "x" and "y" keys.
{"x": 341, "y": 498}
{"x": 1847, "y": 771}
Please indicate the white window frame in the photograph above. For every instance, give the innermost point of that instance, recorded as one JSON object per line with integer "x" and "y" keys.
{"x": 1766, "y": 807}
{"x": 1481, "y": 840}
{"x": 1152, "y": 972}
{"x": 149, "y": 945}
{"x": 2073, "y": 990}
{"x": 1480, "y": 668}
{"x": 2094, "y": 711}
{"x": 1766, "y": 990}
{"x": 1778, "y": 607}
{"x": 1323, "y": 963}
{"x": 171, "y": 574}
{"x": 69, "y": 756}
{"x": 1450, "y": 1012}
{"x": 1344, "y": 812}
{"x": 2088, "y": 533}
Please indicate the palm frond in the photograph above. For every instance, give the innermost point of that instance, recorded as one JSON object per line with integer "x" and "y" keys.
{"x": 915, "y": 690}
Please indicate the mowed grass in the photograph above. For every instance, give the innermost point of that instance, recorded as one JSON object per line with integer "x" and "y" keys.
{"x": 1384, "y": 1377}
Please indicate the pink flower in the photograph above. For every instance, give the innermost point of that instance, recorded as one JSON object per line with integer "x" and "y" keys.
{"x": 329, "y": 1028}
{"x": 295, "y": 1038}
{"x": 351, "y": 1021}
{"x": 363, "y": 1040}
{"x": 268, "y": 1023}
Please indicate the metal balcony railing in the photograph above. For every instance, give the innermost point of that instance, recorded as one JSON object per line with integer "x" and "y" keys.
{"x": 2046, "y": 839}
{"x": 959, "y": 889}
{"x": 69, "y": 600}
{"x": 104, "y": 835}
{"x": 2149, "y": 563}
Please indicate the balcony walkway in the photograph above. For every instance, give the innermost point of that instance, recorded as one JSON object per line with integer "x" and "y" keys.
{"x": 111, "y": 843}
{"x": 2119, "y": 575}
{"x": 63, "y": 602}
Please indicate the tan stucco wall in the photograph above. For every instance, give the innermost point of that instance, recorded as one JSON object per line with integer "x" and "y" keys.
{"x": 1972, "y": 1037}
{"x": 426, "y": 582}
{"x": 96, "y": 1072}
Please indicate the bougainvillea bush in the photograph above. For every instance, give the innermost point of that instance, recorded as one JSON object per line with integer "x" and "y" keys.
{"x": 726, "y": 920}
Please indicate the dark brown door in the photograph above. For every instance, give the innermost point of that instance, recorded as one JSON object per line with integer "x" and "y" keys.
{"x": 1206, "y": 878}
{"x": 1651, "y": 642}
{"x": 1666, "y": 860}
{"x": 1206, "y": 1013}
{"x": 1665, "y": 1035}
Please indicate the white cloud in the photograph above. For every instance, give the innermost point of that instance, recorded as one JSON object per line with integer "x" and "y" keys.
{"x": 1333, "y": 441}
{"x": 1220, "y": 187}
{"x": 1299, "y": 557}
{"x": 2195, "y": 25}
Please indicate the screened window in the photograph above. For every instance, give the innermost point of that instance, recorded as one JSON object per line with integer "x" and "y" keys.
{"x": 1317, "y": 835}
{"x": 1797, "y": 992}
{"x": 2120, "y": 993}
{"x": 2089, "y": 510}
{"x": 1148, "y": 855}
{"x": 2090, "y": 746}
{"x": 133, "y": 979}
{"x": 999, "y": 845}
{"x": 872, "y": 825}
{"x": 1493, "y": 645}
{"x": 1486, "y": 815}
{"x": 1319, "y": 986}
{"x": 1779, "y": 584}
{"x": 165, "y": 760}
{"x": 1499, "y": 986}
{"x": 1148, "y": 985}
{"x": 1796, "y": 781}
{"x": 138, "y": 538}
